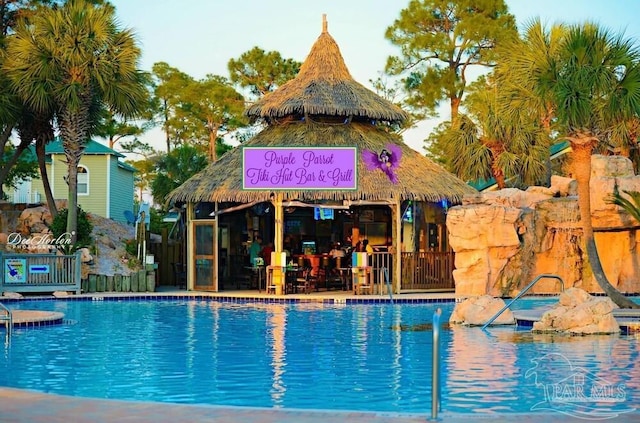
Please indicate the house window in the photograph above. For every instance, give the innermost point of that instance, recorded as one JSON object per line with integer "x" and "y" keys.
{"x": 83, "y": 180}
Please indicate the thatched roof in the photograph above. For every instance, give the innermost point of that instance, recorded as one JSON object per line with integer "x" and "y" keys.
{"x": 324, "y": 86}
{"x": 419, "y": 178}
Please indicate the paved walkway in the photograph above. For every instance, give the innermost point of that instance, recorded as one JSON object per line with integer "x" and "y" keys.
{"x": 33, "y": 407}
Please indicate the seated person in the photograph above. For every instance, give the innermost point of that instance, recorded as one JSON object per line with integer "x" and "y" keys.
{"x": 254, "y": 251}
{"x": 336, "y": 251}
{"x": 266, "y": 253}
{"x": 337, "y": 255}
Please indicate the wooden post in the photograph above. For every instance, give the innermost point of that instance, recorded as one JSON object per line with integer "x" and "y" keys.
{"x": 93, "y": 281}
{"x": 117, "y": 283}
{"x": 134, "y": 281}
{"x": 102, "y": 281}
{"x": 142, "y": 280}
{"x": 151, "y": 280}
{"x": 109, "y": 286}
{"x": 126, "y": 283}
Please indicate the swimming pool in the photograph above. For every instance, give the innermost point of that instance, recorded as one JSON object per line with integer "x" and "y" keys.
{"x": 374, "y": 357}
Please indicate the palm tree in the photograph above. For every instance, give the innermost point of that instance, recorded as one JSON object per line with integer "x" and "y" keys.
{"x": 631, "y": 205}
{"x": 493, "y": 141}
{"x": 596, "y": 83}
{"x": 525, "y": 78}
{"x": 75, "y": 60}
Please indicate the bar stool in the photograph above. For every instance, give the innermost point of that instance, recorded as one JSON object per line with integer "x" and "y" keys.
{"x": 270, "y": 285}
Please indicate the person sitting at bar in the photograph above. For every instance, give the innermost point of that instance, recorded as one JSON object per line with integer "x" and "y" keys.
{"x": 336, "y": 251}
{"x": 254, "y": 250}
{"x": 266, "y": 253}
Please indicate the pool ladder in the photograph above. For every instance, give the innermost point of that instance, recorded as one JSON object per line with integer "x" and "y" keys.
{"x": 7, "y": 318}
{"x": 524, "y": 291}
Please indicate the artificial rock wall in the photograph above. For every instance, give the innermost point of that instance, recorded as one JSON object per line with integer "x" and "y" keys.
{"x": 504, "y": 239}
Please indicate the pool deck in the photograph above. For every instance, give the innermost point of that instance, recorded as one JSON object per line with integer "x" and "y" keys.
{"x": 34, "y": 407}
{"x": 18, "y": 405}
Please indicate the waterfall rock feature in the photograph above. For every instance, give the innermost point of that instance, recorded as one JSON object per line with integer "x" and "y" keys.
{"x": 504, "y": 239}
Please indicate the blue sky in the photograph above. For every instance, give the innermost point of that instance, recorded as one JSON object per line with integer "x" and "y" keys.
{"x": 200, "y": 36}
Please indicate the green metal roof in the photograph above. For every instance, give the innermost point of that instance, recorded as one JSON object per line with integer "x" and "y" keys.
{"x": 126, "y": 166}
{"x": 554, "y": 151}
{"x": 92, "y": 147}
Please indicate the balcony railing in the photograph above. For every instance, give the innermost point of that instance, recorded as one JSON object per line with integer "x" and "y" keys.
{"x": 24, "y": 198}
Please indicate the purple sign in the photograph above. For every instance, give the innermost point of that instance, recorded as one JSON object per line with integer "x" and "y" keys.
{"x": 299, "y": 168}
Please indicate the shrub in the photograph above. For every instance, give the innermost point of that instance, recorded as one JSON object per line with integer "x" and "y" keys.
{"x": 83, "y": 232}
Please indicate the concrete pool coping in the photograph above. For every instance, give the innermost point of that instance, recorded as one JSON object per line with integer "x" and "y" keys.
{"x": 17, "y": 405}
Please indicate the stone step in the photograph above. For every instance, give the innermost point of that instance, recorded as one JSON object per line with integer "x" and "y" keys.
{"x": 628, "y": 319}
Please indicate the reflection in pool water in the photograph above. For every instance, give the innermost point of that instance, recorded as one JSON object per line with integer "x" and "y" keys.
{"x": 348, "y": 357}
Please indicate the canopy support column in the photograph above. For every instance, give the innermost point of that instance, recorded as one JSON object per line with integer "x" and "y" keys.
{"x": 279, "y": 223}
{"x": 397, "y": 246}
{"x": 216, "y": 250}
{"x": 190, "y": 247}
{"x": 278, "y": 240}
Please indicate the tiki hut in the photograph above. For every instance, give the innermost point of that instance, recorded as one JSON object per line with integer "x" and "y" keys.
{"x": 325, "y": 107}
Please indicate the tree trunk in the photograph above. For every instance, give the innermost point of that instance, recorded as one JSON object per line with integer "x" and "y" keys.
{"x": 166, "y": 127}
{"x": 454, "y": 104}
{"x": 582, "y": 148}
{"x": 41, "y": 156}
{"x": 4, "y": 137}
{"x": 72, "y": 201}
{"x": 213, "y": 135}
{"x": 13, "y": 160}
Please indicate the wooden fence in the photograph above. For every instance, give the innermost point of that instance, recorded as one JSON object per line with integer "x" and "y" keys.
{"x": 40, "y": 272}
{"x": 420, "y": 271}
{"x": 427, "y": 270}
{"x": 167, "y": 254}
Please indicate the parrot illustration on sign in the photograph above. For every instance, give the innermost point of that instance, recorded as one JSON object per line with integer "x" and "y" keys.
{"x": 387, "y": 160}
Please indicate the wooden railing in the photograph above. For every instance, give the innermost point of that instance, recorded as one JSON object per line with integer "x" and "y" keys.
{"x": 427, "y": 270}
{"x": 40, "y": 272}
{"x": 421, "y": 270}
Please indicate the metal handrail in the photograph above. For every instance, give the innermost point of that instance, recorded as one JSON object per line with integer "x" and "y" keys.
{"x": 8, "y": 319}
{"x": 435, "y": 366}
{"x": 521, "y": 293}
{"x": 385, "y": 271}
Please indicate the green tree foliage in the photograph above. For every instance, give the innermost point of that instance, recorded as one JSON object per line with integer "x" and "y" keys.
{"x": 261, "y": 72}
{"x": 493, "y": 141}
{"x": 81, "y": 237}
{"x": 594, "y": 84}
{"x": 175, "y": 168}
{"x": 196, "y": 112}
{"x": 25, "y": 167}
{"x": 631, "y": 204}
{"x": 169, "y": 83}
{"x": 12, "y": 112}
{"x": 392, "y": 90}
{"x": 146, "y": 172}
{"x": 440, "y": 41}
{"x": 11, "y": 11}
{"x": 214, "y": 109}
{"x": 74, "y": 59}
{"x": 116, "y": 128}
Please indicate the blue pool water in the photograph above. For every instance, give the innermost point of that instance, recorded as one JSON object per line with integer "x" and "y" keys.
{"x": 312, "y": 356}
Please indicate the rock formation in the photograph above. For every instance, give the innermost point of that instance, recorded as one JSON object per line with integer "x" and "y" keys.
{"x": 579, "y": 313}
{"x": 504, "y": 239}
{"x": 476, "y": 311}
